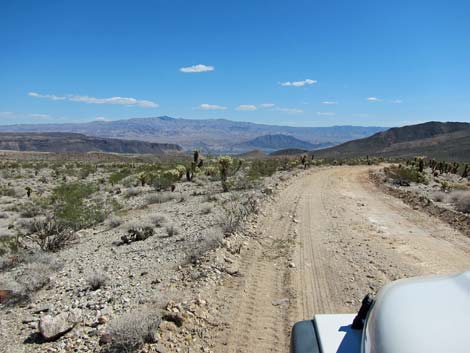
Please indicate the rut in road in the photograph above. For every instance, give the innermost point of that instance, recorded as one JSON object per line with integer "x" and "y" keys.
{"x": 345, "y": 239}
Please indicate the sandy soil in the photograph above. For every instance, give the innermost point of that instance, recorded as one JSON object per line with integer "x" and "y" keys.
{"x": 327, "y": 240}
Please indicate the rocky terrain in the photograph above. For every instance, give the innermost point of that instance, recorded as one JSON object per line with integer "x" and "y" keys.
{"x": 200, "y": 269}
{"x": 76, "y": 297}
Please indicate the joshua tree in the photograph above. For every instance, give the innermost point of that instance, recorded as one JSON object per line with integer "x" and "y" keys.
{"x": 303, "y": 160}
{"x": 142, "y": 178}
{"x": 28, "y": 191}
{"x": 225, "y": 168}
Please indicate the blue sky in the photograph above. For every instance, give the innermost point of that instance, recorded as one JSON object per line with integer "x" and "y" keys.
{"x": 302, "y": 63}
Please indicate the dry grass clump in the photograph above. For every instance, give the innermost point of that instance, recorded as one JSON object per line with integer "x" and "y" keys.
{"x": 29, "y": 210}
{"x": 159, "y": 197}
{"x": 439, "y": 196}
{"x": 158, "y": 220}
{"x": 114, "y": 222}
{"x": 132, "y": 192}
{"x": 461, "y": 200}
{"x": 97, "y": 280}
{"x": 211, "y": 240}
{"x": 3, "y": 215}
{"x": 171, "y": 230}
{"x": 34, "y": 275}
{"x": 132, "y": 330}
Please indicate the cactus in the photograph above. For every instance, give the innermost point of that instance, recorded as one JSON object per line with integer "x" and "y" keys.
{"x": 466, "y": 170}
{"x": 142, "y": 177}
{"x": 28, "y": 191}
{"x": 225, "y": 163}
{"x": 421, "y": 165}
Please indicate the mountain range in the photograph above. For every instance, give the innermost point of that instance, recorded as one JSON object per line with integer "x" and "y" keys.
{"x": 209, "y": 135}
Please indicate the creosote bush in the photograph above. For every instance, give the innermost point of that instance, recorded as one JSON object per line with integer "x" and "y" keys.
{"x": 401, "y": 174}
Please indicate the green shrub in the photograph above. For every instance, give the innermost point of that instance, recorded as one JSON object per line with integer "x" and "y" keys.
{"x": 402, "y": 174}
{"x": 262, "y": 168}
{"x": 116, "y": 177}
{"x": 73, "y": 210}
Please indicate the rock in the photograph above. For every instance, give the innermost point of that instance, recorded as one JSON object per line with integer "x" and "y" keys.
{"x": 52, "y": 327}
{"x": 41, "y": 309}
{"x": 103, "y": 319}
{"x": 5, "y": 295}
{"x": 176, "y": 318}
{"x": 105, "y": 339}
{"x": 283, "y": 301}
{"x": 291, "y": 265}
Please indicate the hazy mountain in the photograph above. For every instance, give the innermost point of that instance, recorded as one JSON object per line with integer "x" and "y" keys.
{"x": 71, "y": 142}
{"x": 438, "y": 140}
{"x": 269, "y": 143}
{"x": 217, "y": 135}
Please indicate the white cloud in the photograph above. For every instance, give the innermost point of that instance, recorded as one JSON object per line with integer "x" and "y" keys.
{"x": 129, "y": 101}
{"x": 326, "y": 113}
{"x": 289, "y": 110}
{"x": 47, "y": 96}
{"x": 374, "y": 99}
{"x": 298, "y": 83}
{"x": 247, "y": 107}
{"x": 6, "y": 114}
{"x": 101, "y": 118}
{"x": 39, "y": 116}
{"x": 397, "y": 101}
{"x": 206, "y": 106}
{"x": 267, "y": 105}
{"x": 197, "y": 68}
{"x": 330, "y": 102}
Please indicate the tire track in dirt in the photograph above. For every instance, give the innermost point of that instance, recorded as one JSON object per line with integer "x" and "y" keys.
{"x": 346, "y": 239}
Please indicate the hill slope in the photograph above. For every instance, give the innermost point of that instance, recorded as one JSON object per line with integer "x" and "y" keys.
{"x": 450, "y": 141}
{"x": 269, "y": 143}
{"x": 217, "y": 135}
{"x": 70, "y": 142}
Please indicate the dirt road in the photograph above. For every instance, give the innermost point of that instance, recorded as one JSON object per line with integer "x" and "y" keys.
{"x": 327, "y": 240}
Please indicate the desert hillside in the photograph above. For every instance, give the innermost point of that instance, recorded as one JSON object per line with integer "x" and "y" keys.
{"x": 70, "y": 142}
{"x": 446, "y": 141}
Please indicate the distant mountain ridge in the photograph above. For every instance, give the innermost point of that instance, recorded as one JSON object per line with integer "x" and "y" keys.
{"x": 213, "y": 135}
{"x": 270, "y": 143}
{"x": 71, "y": 142}
{"x": 450, "y": 141}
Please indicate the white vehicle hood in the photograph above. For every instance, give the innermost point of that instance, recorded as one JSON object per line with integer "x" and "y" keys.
{"x": 421, "y": 315}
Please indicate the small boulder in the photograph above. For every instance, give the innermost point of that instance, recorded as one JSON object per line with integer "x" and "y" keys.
{"x": 52, "y": 327}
